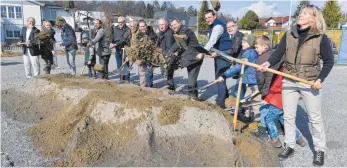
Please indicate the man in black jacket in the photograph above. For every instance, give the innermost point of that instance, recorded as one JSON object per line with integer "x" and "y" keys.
{"x": 120, "y": 35}
{"x": 236, "y": 38}
{"x": 31, "y": 51}
{"x": 165, "y": 42}
{"x": 190, "y": 57}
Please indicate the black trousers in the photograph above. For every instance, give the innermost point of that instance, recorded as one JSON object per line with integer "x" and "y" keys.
{"x": 104, "y": 62}
{"x": 48, "y": 63}
{"x": 193, "y": 73}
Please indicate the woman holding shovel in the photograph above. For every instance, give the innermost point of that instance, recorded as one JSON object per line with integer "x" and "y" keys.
{"x": 304, "y": 46}
{"x": 46, "y": 40}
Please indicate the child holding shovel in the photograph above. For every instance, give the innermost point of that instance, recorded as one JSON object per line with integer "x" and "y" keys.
{"x": 89, "y": 55}
{"x": 270, "y": 87}
{"x": 248, "y": 52}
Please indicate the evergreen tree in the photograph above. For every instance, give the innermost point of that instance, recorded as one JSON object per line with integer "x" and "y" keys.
{"x": 149, "y": 11}
{"x": 156, "y": 6}
{"x": 332, "y": 13}
{"x": 202, "y": 24}
{"x": 302, "y": 3}
{"x": 164, "y": 6}
{"x": 250, "y": 21}
{"x": 191, "y": 11}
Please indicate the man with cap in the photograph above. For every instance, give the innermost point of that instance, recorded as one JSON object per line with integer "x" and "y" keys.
{"x": 219, "y": 39}
{"x": 249, "y": 77}
{"x": 120, "y": 35}
{"x": 69, "y": 42}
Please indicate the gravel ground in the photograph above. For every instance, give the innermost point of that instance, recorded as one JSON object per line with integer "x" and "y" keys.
{"x": 17, "y": 148}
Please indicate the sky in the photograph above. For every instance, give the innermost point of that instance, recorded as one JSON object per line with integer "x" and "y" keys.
{"x": 263, "y": 8}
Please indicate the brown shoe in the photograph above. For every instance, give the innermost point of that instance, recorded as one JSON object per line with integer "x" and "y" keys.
{"x": 274, "y": 143}
{"x": 301, "y": 142}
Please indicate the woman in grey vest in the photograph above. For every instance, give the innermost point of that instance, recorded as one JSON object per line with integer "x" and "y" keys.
{"x": 304, "y": 46}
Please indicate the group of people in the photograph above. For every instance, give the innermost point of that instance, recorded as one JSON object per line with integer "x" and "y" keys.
{"x": 304, "y": 52}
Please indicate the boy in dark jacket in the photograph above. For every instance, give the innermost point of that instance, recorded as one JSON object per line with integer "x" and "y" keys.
{"x": 249, "y": 78}
{"x": 270, "y": 87}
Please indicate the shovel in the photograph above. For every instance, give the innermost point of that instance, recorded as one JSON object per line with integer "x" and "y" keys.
{"x": 124, "y": 69}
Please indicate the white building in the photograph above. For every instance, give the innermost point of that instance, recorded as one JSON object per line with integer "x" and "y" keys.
{"x": 14, "y": 15}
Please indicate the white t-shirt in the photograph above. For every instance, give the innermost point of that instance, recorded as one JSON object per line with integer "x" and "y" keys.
{"x": 27, "y": 39}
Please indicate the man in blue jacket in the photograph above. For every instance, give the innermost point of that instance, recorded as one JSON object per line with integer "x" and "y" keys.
{"x": 69, "y": 42}
{"x": 219, "y": 39}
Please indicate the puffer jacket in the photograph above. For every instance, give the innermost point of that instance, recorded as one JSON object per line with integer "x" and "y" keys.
{"x": 249, "y": 76}
{"x": 69, "y": 38}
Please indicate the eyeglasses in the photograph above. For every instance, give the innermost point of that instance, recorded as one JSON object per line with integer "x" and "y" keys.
{"x": 232, "y": 26}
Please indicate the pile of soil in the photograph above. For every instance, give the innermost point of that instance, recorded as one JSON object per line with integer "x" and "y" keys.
{"x": 89, "y": 122}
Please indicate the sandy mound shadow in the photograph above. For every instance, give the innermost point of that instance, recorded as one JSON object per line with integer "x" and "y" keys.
{"x": 96, "y": 123}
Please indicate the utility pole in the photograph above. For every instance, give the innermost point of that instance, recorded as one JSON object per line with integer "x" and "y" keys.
{"x": 290, "y": 15}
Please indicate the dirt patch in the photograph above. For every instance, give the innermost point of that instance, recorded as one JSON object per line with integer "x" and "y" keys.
{"x": 95, "y": 122}
{"x": 169, "y": 114}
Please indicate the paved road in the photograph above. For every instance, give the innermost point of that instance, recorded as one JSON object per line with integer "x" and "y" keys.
{"x": 334, "y": 109}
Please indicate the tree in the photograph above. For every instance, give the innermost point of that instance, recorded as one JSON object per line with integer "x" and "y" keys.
{"x": 170, "y": 6}
{"x": 141, "y": 8}
{"x": 250, "y": 21}
{"x": 149, "y": 11}
{"x": 156, "y": 6}
{"x": 191, "y": 11}
{"x": 332, "y": 14}
{"x": 302, "y": 3}
{"x": 202, "y": 24}
{"x": 164, "y": 6}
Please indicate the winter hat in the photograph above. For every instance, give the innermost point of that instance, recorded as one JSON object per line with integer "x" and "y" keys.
{"x": 250, "y": 39}
{"x": 85, "y": 35}
{"x": 60, "y": 21}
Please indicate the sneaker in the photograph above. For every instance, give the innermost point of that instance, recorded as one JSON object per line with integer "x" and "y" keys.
{"x": 318, "y": 159}
{"x": 287, "y": 151}
{"x": 274, "y": 143}
{"x": 261, "y": 133}
{"x": 301, "y": 142}
{"x": 171, "y": 87}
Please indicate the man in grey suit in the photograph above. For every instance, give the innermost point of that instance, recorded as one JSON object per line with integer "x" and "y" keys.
{"x": 101, "y": 47}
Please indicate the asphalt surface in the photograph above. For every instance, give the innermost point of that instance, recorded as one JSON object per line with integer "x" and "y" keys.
{"x": 16, "y": 147}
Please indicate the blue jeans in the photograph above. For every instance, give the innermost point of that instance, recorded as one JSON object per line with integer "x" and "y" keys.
{"x": 271, "y": 114}
{"x": 220, "y": 66}
{"x": 149, "y": 79}
{"x": 119, "y": 61}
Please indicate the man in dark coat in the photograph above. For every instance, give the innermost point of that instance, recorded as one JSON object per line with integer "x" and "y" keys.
{"x": 120, "y": 35}
{"x": 236, "y": 38}
{"x": 31, "y": 50}
{"x": 190, "y": 57}
{"x": 165, "y": 42}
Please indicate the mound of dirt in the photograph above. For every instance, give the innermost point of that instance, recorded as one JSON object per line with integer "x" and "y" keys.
{"x": 97, "y": 123}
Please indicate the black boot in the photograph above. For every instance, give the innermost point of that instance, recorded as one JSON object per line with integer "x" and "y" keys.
{"x": 318, "y": 159}
{"x": 261, "y": 133}
{"x": 90, "y": 73}
{"x": 171, "y": 87}
{"x": 287, "y": 151}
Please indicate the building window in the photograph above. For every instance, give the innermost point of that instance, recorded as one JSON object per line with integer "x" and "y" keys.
{"x": 50, "y": 15}
{"x": 12, "y": 32}
{"x": 9, "y": 33}
{"x": 18, "y": 12}
{"x": 16, "y": 33}
{"x": 11, "y": 12}
{"x": 3, "y": 12}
